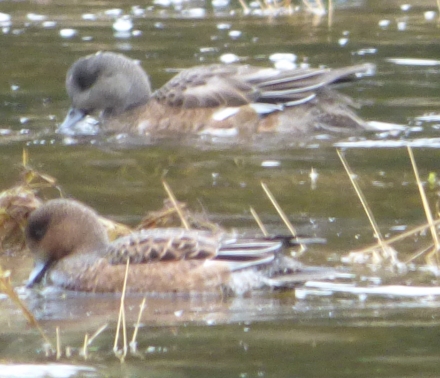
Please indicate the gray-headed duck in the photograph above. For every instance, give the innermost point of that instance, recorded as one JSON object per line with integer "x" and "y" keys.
{"x": 215, "y": 99}
{"x": 71, "y": 248}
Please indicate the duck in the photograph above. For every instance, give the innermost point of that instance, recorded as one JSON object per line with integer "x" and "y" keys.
{"x": 216, "y": 99}
{"x": 72, "y": 251}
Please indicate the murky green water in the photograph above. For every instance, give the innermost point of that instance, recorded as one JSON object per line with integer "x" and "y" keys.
{"x": 318, "y": 333}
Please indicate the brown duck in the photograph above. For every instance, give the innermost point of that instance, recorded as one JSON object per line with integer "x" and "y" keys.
{"x": 71, "y": 248}
{"x": 215, "y": 99}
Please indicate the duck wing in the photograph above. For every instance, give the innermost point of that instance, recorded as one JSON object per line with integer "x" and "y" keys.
{"x": 174, "y": 244}
{"x": 237, "y": 85}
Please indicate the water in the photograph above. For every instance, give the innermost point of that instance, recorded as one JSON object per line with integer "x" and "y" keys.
{"x": 315, "y": 333}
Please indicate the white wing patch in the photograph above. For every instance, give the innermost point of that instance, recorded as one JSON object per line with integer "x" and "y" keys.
{"x": 262, "y": 108}
{"x": 225, "y": 113}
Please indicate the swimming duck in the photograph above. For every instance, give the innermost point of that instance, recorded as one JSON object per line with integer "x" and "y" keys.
{"x": 71, "y": 247}
{"x": 216, "y": 99}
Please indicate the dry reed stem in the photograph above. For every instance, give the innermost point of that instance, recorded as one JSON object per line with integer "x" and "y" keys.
{"x": 400, "y": 236}
{"x": 428, "y": 212}
{"x": 419, "y": 253}
{"x": 278, "y": 208}
{"x": 259, "y": 222}
{"x": 88, "y": 340}
{"x": 308, "y": 5}
{"x": 282, "y": 215}
{"x": 381, "y": 242}
{"x": 330, "y": 13}
{"x": 25, "y": 157}
{"x": 85, "y": 345}
{"x": 58, "y": 341}
{"x": 175, "y": 204}
{"x": 6, "y": 287}
{"x": 5, "y": 284}
{"x": 121, "y": 321}
{"x": 30, "y": 175}
{"x": 96, "y": 334}
{"x": 245, "y": 7}
{"x": 133, "y": 342}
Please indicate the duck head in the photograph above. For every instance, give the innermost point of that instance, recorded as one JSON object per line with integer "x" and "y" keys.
{"x": 61, "y": 228}
{"x": 104, "y": 82}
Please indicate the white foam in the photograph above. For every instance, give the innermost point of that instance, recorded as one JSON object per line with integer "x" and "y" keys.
{"x": 385, "y": 290}
{"x": 413, "y": 62}
{"x": 68, "y": 33}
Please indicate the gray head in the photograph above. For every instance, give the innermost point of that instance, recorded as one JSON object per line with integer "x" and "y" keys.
{"x": 107, "y": 82}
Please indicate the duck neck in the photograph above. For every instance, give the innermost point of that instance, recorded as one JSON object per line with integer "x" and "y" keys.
{"x": 131, "y": 102}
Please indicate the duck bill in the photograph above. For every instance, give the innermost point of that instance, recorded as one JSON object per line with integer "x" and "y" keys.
{"x": 72, "y": 118}
{"x": 38, "y": 273}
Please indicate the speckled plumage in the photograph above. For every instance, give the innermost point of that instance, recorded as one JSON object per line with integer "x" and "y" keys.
{"x": 70, "y": 244}
{"x": 233, "y": 99}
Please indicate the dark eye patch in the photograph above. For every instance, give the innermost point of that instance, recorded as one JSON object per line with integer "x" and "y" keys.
{"x": 85, "y": 74}
{"x": 37, "y": 228}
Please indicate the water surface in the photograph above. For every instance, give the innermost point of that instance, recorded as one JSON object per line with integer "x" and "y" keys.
{"x": 316, "y": 332}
